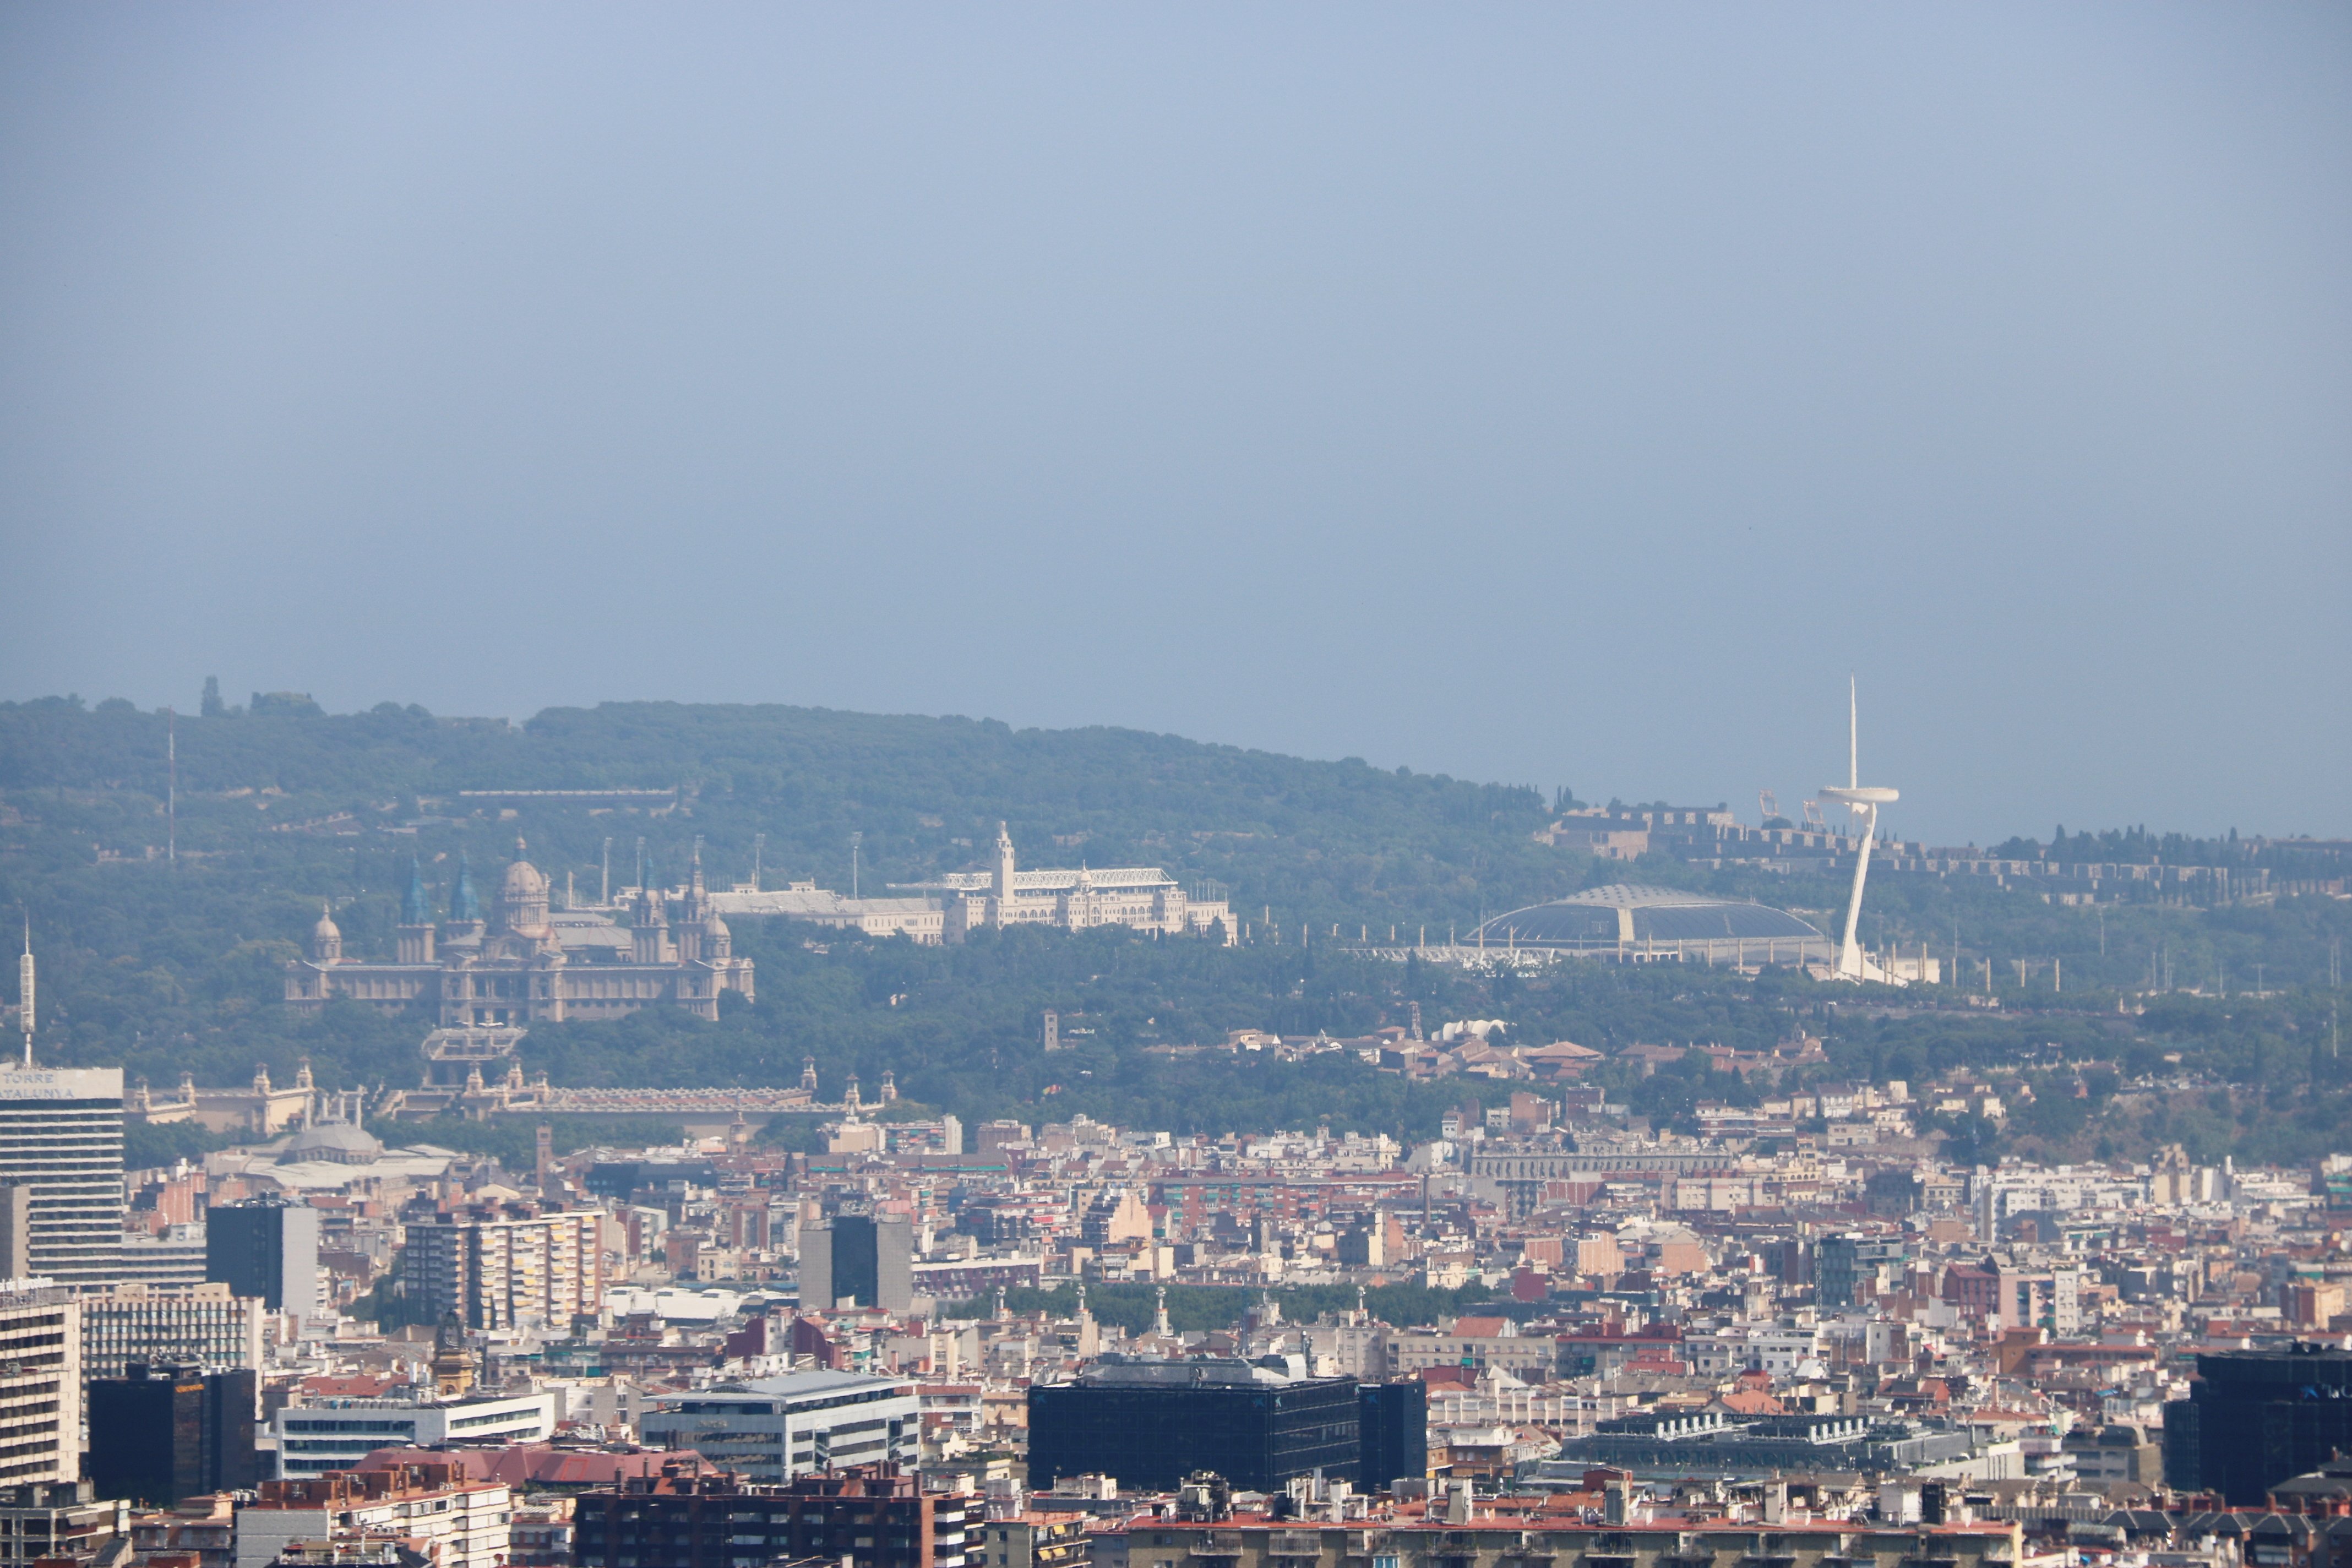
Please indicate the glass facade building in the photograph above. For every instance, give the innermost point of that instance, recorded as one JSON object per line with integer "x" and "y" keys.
{"x": 1152, "y": 1424}
{"x": 2253, "y": 1419}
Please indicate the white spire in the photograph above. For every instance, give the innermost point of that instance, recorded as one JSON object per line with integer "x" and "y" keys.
{"x": 1853, "y": 735}
{"x": 25, "y": 991}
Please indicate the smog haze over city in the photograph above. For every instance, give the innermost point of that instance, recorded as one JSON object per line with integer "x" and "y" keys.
{"x": 1555, "y": 395}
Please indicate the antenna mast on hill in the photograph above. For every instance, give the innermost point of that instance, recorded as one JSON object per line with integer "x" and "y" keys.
{"x": 24, "y": 990}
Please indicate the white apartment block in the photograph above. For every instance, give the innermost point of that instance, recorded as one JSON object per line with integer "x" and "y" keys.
{"x": 40, "y": 1387}
{"x": 1758, "y": 1347}
{"x": 771, "y": 1430}
{"x": 205, "y": 1325}
{"x": 337, "y": 1434}
{"x": 1534, "y": 1355}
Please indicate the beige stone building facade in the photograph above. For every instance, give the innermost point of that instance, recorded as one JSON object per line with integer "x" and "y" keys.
{"x": 1142, "y": 897}
{"x": 530, "y": 963}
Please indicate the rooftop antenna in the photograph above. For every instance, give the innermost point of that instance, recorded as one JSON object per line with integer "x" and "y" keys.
{"x": 759, "y": 847}
{"x": 855, "y": 840}
{"x": 24, "y": 990}
{"x": 1864, "y": 803}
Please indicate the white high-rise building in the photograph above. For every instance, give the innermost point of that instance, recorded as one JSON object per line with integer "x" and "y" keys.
{"x": 62, "y": 1139}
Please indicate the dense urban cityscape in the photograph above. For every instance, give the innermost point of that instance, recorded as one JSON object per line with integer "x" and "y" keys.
{"x": 1221, "y": 786}
{"x": 1645, "y": 1299}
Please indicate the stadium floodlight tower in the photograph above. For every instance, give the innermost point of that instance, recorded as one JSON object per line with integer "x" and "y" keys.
{"x": 1863, "y": 801}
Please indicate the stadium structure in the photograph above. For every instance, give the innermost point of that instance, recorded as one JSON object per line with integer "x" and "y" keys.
{"x": 1634, "y": 924}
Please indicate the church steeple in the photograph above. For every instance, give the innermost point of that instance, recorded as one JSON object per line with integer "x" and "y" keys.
{"x": 413, "y": 909}
{"x": 413, "y": 941}
{"x": 464, "y": 906}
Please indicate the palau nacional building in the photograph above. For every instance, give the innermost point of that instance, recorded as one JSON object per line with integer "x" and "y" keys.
{"x": 530, "y": 964}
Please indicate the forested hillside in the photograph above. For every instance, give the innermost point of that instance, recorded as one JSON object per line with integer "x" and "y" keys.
{"x": 1316, "y": 840}
{"x": 165, "y": 965}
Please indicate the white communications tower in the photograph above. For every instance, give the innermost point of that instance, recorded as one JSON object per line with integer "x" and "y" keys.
{"x": 1863, "y": 801}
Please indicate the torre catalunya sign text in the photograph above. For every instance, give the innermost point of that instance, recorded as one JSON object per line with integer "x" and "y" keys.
{"x": 60, "y": 1083}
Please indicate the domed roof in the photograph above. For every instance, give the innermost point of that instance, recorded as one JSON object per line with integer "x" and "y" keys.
{"x": 712, "y": 925}
{"x": 337, "y": 1141}
{"x": 326, "y": 930}
{"x": 524, "y": 882}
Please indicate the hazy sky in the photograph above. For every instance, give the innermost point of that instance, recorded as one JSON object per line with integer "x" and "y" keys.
{"x": 1557, "y": 393}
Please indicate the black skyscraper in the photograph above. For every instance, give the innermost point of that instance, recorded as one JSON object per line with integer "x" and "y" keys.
{"x": 1393, "y": 1419}
{"x": 2255, "y": 1417}
{"x": 1152, "y": 1424}
{"x": 166, "y": 1433}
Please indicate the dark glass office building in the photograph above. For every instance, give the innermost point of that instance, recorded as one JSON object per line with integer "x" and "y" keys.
{"x": 2252, "y": 1418}
{"x": 1393, "y": 1422}
{"x": 1152, "y": 1422}
{"x": 861, "y": 1258}
{"x": 165, "y": 1433}
{"x": 266, "y": 1247}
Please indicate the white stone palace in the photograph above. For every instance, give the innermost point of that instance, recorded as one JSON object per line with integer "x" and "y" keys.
{"x": 531, "y": 964}
{"x": 1143, "y": 896}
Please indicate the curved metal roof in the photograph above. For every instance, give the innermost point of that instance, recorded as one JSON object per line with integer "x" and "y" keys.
{"x": 1630, "y": 912}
